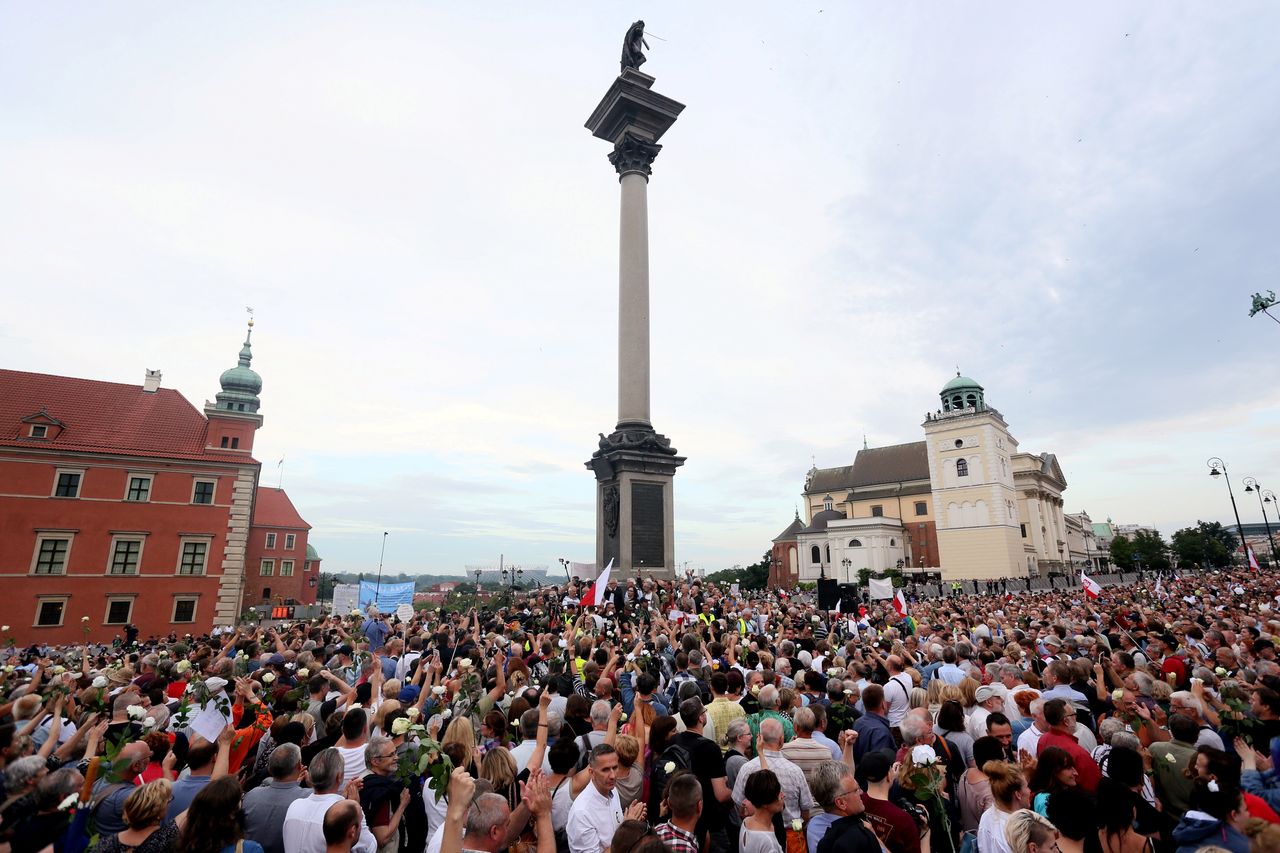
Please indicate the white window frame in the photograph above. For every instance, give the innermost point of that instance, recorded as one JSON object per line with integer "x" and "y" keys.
{"x": 194, "y": 598}
{"x": 57, "y": 475}
{"x": 290, "y": 541}
{"x": 267, "y": 568}
{"x": 183, "y": 542}
{"x": 41, "y": 536}
{"x": 112, "y": 599}
{"x": 212, "y": 497}
{"x": 41, "y": 601}
{"x": 44, "y": 431}
{"x": 128, "y": 486}
{"x": 140, "y": 538}
{"x": 270, "y": 543}
{"x": 286, "y": 564}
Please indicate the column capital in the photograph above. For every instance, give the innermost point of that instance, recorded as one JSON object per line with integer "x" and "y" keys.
{"x": 634, "y": 154}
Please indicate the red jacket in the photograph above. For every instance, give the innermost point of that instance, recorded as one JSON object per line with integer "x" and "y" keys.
{"x": 1086, "y": 768}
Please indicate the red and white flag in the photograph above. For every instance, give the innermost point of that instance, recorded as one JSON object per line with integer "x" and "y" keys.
{"x": 595, "y": 592}
{"x": 1090, "y": 586}
{"x": 900, "y": 604}
{"x": 1253, "y": 559}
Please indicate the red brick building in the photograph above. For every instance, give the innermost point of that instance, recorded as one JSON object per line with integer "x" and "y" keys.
{"x": 281, "y": 568}
{"x": 784, "y": 571}
{"x": 125, "y": 503}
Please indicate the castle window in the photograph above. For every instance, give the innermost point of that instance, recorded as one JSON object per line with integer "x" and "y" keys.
{"x": 39, "y": 431}
{"x": 271, "y": 541}
{"x": 957, "y": 403}
{"x": 235, "y": 443}
{"x": 184, "y": 610}
{"x": 226, "y": 442}
{"x": 126, "y": 554}
{"x": 194, "y": 555}
{"x": 68, "y": 484}
{"x": 828, "y": 552}
{"x": 49, "y": 611}
{"x": 893, "y": 543}
{"x": 855, "y": 543}
{"x": 266, "y": 593}
{"x": 816, "y": 555}
{"x": 118, "y": 611}
{"x": 1024, "y": 530}
{"x": 286, "y": 568}
{"x": 289, "y": 540}
{"x": 922, "y": 508}
{"x": 267, "y": 569}
{"x": 139, "y": 489}
{"x": 51, "y": 555}
{"x": 877, "y": 511}
{"x": 202, "y": 492}
{"x": 971, "y": 400}
{"x": 962, "y": 468}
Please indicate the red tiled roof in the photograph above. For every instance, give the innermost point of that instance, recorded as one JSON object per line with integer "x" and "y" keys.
{"x": 272, "y": 508}
{"x": 105, "y": 417}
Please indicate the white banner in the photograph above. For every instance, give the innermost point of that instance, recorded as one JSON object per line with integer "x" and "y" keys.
{"x": 880, "y": 588}
{"x": 585, "y": 571}
{"x": 346, "y": 597}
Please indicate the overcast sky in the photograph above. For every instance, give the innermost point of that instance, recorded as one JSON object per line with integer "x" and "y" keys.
{"x": 1072, "y": 203}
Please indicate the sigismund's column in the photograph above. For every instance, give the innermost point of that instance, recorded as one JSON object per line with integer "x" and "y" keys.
{"x": 634, "y": 465}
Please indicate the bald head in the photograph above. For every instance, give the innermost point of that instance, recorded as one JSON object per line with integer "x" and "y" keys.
{"x": 771, "y": 731}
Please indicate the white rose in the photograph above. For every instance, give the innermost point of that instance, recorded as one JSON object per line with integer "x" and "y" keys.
{"x": 58, "y": 670}
{"x": 136, "y": 712}
{"x": 623, "y": 717}
{"x": 669, "y": 767}
{"x": 797, "y": 825}
{"x": 413, "y": 712}
{"x": 448, "y": 712}
{"x": 304, "y": 672}
{"x": 355, "y": 612}
{"x": 923, "y": 755}
{"x": 354, "y": 706}
{"x": 4, "y": 627}
{"x": 400, "y": 726}
{"x": 1168, "y": 756}
{"x": 1117, "y": 695}
{"x": 149, "y": 723}
{"x": 100, "y": 682}
{"x": 268, "y": 677}
{"x": 438, "y": 690}
{"x": 1220, "y": 671}
{"x": 465, "y": 663}
{"x": 69, "y": 802}
{"x": 163, "y": 653}
{"x": 183, "y": 666}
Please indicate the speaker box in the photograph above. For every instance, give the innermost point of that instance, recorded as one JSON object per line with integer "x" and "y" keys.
{"x": 828, "y": 594}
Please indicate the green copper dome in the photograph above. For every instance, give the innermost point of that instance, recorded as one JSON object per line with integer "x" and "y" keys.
{"x": 241, "y": 384}
{"x": 962, "y": 393}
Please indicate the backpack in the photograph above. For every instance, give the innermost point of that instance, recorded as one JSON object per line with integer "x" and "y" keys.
{"x": 676, "y": 754}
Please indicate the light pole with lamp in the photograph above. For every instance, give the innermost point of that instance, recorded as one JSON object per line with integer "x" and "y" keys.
{"x": 564, "y": 561}
{"x": 1219, "y": 468}
{"x": 515, "y": 573}
{"x": 1252, "y": 485}
{"x": 846, "y": 562}
{"x": 477, "y": 574}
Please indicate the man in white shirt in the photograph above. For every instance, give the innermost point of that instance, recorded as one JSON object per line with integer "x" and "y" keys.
{"x": 596, "y": 813}
{"x": 897, "y": 691}
{"x": 1029, "y": 741}
{"x": 304, "y": 821}
{"x": 990, "y": 698}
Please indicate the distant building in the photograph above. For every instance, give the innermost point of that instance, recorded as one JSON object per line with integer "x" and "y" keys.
{"x": 281, "y": 566}
{"x": 964, "y": 502}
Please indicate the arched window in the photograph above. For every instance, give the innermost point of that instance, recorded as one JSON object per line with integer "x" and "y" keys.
{"x": 827, "y": 503}
{"x": 816, "y": 555}
{"x": 962, "y": 468}
{"x": 828, "y": 552}
{"x": 957, "y": 403}
{"x": 855, "y": 543}
{"x": 266, "y": 593}
{"x": 893, "y": 543}
{"x": 971, "y": 400}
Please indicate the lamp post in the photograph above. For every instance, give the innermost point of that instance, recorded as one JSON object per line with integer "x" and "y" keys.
{"x": 1219, "y": 468}
{"x": 377, "y": 591}
{"x": 846, "y": 562}
{"x": 515, "y": 573}
{"x": 1252, "y": 485}
{"x": 477, "y": 574}
{"x": 564, "y": 561}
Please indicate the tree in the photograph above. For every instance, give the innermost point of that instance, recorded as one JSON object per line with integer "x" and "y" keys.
{"x": 1151, "y": 550}
{"x": 1122, "y": 554}
{"x": 754, "y": 576}
{"x": 1206, "y": 544}
{"x": 324, "y": 592}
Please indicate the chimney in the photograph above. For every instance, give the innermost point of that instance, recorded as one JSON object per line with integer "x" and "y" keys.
{"x": 151, "y": 384}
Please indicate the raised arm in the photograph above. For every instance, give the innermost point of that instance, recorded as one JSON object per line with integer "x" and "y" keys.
{"x": 461, "y": 789}
{"x": 540, "y": 745}
{"x": 55, "y": 729}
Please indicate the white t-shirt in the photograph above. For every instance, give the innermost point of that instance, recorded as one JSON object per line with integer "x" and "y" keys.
{"x": 352, "y": 763}
{"x": 1029, "y": 741}
{"x": 897, "y": 698}
{"x": 593, "y": 818}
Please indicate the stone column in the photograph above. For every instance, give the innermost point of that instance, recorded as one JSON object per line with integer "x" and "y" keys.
{"x": 633, "y": 296}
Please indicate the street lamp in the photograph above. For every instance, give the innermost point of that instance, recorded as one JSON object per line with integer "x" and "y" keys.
{"x": 477, "y": 574}
{"x": 1252, "y": 485}
{"x": 1215, "y": 464}
{"x": 564, "y": 561}
{"x": 515, "y": 573}
{"x": 846, "y": 562}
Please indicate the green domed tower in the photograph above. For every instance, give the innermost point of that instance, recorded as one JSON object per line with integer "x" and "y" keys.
{"x": 962, "y": 393}
{"x": 241, "y": 384}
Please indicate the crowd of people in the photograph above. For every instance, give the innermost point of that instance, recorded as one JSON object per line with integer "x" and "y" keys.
{"x": 672, "y": 715}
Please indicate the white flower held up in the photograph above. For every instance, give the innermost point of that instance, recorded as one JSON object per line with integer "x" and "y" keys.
{"x": 448, "y": 712}
{"x": 798, "y": 824}
{"x": 84, "y": 618}
{"x": 268, "y": 677}
{"x": 923, "y": 755}
{"x": 438, "y": 690}
{"x": 68, "y": 802}
{"x": 669, "y": 768}
{"x": 182, "y": 666}
{"x": 400, "y": 726}
{"x": 149, "y": 723}
{"x": 304, "y": 672}
{"x": 100, "y": 682}
{"x": 136, "y": 712}
{"x": 413, "y": 712}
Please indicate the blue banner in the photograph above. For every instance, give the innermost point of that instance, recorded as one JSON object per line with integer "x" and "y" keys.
{"x": 389, "y": 595}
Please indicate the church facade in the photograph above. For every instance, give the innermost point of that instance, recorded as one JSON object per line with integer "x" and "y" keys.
{"x": 965, "y": 502}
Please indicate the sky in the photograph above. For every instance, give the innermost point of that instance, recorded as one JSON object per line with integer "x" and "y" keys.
{"x": 1071, "y": 203}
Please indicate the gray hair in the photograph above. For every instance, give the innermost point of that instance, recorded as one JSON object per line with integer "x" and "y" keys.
{"x": 529, "y": 724}
{"x": 827, "y": 781}
{"x": 771, "y": 730}
{"x": 1186, "y": 699}
{"x": 487, "y": 811}
{"x": 768, "y": 698}
{"x": 1036, "y": 706}
{"x": 1011, "y": 670}
{"x": 804, "y": 720}
{"x": 554, "y": 722}
{"x": 21, "y": 773}
{"x": 1109, "y": 727}
{"x": 54, "y": 788}
{"x": 1144, "y": 682}
{"x": 600, "y": 711}
{"x": 325, "y": 770}
{"x": 736, "y": 729}
{"x": 1125, "y": 739}
{"x": 376, "y": 744}
{"x": 914, "y": 729}
{"x": 691, "y": 711}
{"x": 284, "y": 760}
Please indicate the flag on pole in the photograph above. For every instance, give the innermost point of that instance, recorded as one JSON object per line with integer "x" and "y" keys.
{"x": 839, "y": 601}
{"x": 900, "y": 604}
{"x": 1160, "y": 593}
{"x": 595, "y": 592}
{"x": 1253, "y": 559}
{"x": 1090, "y": 586}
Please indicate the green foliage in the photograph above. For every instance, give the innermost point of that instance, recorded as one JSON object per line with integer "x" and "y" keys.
{"x": 1151, "y": 550}
{"x": 754, "y": 576}
{"x": 1208, "y": 543}
{"x": 1122, "y": 554}
{"x": 895, "y": 575}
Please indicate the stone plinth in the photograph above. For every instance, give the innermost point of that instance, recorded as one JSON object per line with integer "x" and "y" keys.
{"x": 635, "y": 509}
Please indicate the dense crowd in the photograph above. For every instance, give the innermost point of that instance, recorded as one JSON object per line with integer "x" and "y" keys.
{"x": 675, "y": 716}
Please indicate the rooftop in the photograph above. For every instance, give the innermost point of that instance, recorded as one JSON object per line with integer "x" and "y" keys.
{"x": 272, "y": 508}
{"x": 897, "y": 463}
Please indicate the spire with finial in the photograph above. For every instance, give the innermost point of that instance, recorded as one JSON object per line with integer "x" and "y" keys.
{"x": 241, "y": 384}
{"x": 864, "y": 441}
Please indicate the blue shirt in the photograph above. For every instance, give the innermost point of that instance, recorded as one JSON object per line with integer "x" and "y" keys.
{"x": 184, "y": 791}
{"x": 375, "y": 631}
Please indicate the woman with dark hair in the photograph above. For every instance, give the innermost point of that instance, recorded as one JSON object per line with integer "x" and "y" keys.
{"x": 629, "y": 835}
{"x": 1115, "y": 814}
{"x": 1072, "y": 812}
{"x": 1055, "y": 771}
{"x": 215, "y": 821}
{"x": 1216, "y": 818}
{"x": 1127, "y": 767}
{"x": 764, "y": 792}
{"x": 950, "y": 725}
{"x": 577, "y": 714}
{"x": 493, "y": 730}
{"x": 973, "y": 790}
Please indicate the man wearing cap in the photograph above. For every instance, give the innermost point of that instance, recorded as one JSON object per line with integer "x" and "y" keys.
{"x": 990, "y": 697}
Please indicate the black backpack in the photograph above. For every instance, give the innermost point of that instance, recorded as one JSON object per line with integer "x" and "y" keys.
{"x": 676, "y": 754}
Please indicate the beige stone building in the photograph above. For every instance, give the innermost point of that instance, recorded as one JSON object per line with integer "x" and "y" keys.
{"x": 965, "y": 502}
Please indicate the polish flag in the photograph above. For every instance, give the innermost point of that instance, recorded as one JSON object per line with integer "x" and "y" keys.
{"x": 1091, "y": 586}
{"x": 900, "y": 604}
{"x": 595, "y": 592}
{"x": 1253, "y": 559}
